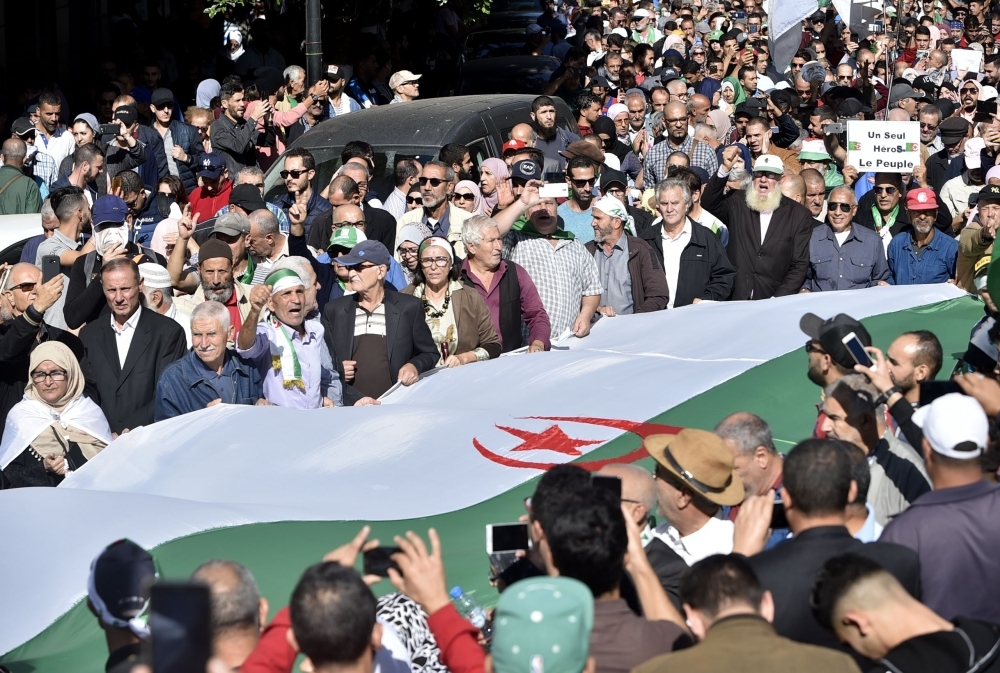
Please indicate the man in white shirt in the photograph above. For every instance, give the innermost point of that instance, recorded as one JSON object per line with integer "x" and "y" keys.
{"x": 51, "y": 137}
{"x": 695, "y": 476}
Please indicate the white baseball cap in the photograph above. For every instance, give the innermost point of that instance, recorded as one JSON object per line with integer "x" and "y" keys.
{"x": 769, "y": 163}
{"x": 951, "y": 421}
{"x": 641, "y": 14}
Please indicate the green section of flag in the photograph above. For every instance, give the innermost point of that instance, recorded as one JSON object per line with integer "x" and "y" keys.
{"x": 277, "y": 553}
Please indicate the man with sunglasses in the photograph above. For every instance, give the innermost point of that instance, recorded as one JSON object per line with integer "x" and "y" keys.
{"x": 181, "y": 142}
{"x": 438, "y": 213}
{"x": 581, "y": 177}
{"x": 768, "y": 233}
{"x": 678, "y": 139}
{"x": 298, "y": 174}
{"x": 844, "y": 255}
{"x": 25, "y": 329}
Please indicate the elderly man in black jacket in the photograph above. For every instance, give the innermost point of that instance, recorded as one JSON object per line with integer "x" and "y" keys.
{"x": 376, "y": 338}
{"x": 768, "y": 233}
{"x": 126, "y": 352}
{"x": 694, "y": 260}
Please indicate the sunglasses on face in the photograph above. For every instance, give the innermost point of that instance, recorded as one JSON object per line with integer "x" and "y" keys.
{"x": 295, "y": 174}
{"x": 813, "y": 348}
{"x": 843, "y": 207}
{"x": 764, "y": 174}
{"x": 586, "y": 182}
{"x": 463, "y": 197}
{"x": 25, "y": 287}
{"x": 971, "y": 90}
{"x": 932, "y": 127}
{"x": 414, "y": 199}
{"x": 885, "y": 190}
{"x": 165, "y": 106}
{"x": 434, "y": 182}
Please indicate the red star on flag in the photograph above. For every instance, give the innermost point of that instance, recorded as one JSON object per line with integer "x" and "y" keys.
{"x": 550, "y": 439}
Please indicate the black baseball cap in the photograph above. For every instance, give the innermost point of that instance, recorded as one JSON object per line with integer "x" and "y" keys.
{"x": 749, "y": 108}
{"x": 526, "y": 170}
{"x": 365, "y": 251}
{"x": 127, "y": 114}
{"x": 161, "y": 97}
{"x": 119, "y": 585}
{"x": 22, "y": 127}
{"x": 830, "y": 333}
{"x": 247, "y": 197}
{"x": 610, "y": 176}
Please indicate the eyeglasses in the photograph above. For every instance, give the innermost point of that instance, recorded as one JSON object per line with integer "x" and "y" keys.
{"x": 362, "y": 267}
{"x": 885, "y": 190}
{"x": 295, "y": 174}
{"x": 434, "y": 182}
{"x": 813, "y": 348}
{"x": 55, "y": 375}
{"x": 164, "y": 106}
{"x": 586, "y": 182}
{"x": 932, "y": 127}
{"x": 359, "y": 223}
{"x": 202, "y": 129}
{"x": 258, "y": 185}
{"x": 803, "y": 92}
{"x": 414, "y": 199}
{"x": 428, "y": 262}
{"x": 407, "y": 252}
{"x": 765, "y": 174}
{"x": 462, "y": 196}
{"x": 24, "y": 287}
{"x": 843, "y": 207}
{"x": 970, "y": 89}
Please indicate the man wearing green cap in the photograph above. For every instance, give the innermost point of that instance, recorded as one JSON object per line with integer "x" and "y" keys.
{"x": 288, "y": 349}
{"x": 814, "y": 155}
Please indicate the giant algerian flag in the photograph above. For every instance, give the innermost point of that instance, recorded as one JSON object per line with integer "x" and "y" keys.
{"x": 277, "y": 488}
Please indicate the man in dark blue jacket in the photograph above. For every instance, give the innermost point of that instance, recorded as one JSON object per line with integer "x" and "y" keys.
{"x": 155, "y": 164}
{"x": 209, "y": 373}
{"x": 181, "y": 142}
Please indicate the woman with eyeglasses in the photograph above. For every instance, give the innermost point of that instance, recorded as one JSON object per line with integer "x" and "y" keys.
{"x": 466, "y": 196}
{"x": 407, "y": 244}
{"x": 456, "y": 315}
{"x": 54, "y": 429}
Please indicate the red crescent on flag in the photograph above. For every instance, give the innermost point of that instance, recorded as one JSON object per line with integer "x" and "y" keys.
{"x": 643, "y": 430}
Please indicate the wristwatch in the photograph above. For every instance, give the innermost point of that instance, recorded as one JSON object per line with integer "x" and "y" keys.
{"x": 884, "y": 397}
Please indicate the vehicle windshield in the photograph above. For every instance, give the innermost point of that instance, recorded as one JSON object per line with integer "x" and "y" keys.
{"x": 328, "y": 161}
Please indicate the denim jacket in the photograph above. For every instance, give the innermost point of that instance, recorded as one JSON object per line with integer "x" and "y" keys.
{"x": 183, "y": 386}
{"x": 859, "y": 262}
{"x": 935, "y": 264}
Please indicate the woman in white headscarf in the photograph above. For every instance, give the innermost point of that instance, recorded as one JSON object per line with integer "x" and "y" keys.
{"x": 234, "y": 44}
{"x": 54, "y": 429}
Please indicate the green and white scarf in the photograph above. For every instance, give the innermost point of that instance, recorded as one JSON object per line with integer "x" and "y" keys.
{"x": 284, "y": 359}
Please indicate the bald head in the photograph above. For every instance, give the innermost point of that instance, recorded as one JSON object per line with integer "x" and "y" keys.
{"x": 898, "y": 115}
{"x": 637, "y": 486}
{"x": 23, "y": 273}
{"x": 699, "y": 106}
{"x": 794, "y": 187}
{"x": 524, "y": 133}
{"x": 349, "y": 215}
{"x": 14, "y": 151}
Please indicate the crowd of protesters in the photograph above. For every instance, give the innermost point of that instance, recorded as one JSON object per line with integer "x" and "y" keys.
{"x": 702, "y": 172}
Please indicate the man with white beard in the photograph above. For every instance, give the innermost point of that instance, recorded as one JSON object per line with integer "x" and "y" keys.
{"x": 768, "y": 233}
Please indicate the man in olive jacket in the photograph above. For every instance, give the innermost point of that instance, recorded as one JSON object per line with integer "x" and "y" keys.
{"x": 768, "y": 232}
{"x": 19, "y": 194}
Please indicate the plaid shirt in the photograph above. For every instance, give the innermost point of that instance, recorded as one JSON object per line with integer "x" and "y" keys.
{"x": 564, "y": 274}
{"x": 656, "y": 159}
{"x": 43, "y": 167}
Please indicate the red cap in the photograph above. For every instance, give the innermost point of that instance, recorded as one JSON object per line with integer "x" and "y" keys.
{"x": 921, "y": 199}
{"x": 513, "y": 146}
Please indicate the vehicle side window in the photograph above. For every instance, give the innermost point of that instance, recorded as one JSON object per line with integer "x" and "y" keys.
{"x": 479, "y": 151}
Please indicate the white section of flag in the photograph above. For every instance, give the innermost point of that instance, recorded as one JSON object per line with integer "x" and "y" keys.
{"x": 413, "y": 456}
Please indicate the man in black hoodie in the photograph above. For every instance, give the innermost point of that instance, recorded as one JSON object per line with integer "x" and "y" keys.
{"x": 867, "y": 608}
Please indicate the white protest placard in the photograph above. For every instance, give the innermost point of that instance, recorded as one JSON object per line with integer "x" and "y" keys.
{"x": 969, "y": 60}
{"x": 882, "y": 146}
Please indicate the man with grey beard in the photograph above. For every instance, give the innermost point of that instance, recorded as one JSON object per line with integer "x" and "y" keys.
{"x": 768, "y": 233}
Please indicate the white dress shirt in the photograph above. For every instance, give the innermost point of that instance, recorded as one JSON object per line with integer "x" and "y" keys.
{"x": 672, "y": 249}
{"x": 715, "y": 537}
{"x": 765, "y": 222}
{"x": 123, "y": 336}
